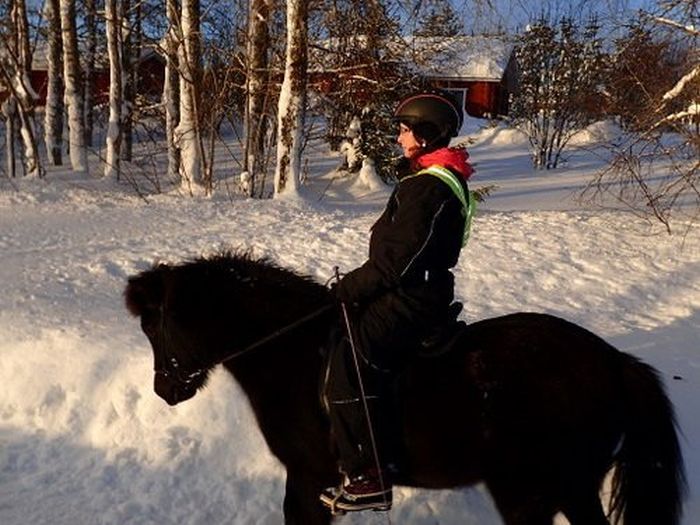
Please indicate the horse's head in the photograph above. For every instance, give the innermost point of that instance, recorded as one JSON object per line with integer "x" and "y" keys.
{"x": 178, "y": 315}
{"x": 200, "y": 313}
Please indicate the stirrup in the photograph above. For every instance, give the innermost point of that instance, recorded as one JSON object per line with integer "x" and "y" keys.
{"x": 339, "y": 500}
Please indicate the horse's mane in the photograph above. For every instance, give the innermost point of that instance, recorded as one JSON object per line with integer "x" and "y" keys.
{"x": 224, "y": 269}
{"x": 244, "y": 266}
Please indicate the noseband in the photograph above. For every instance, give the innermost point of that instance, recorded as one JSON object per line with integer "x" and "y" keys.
{"x": 174, "y": 370}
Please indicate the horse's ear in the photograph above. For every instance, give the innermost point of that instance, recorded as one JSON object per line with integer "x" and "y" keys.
{"x": 144, "y": 292}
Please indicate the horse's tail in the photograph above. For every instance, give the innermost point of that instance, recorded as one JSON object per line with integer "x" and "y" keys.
{"x": 649, "y": 481}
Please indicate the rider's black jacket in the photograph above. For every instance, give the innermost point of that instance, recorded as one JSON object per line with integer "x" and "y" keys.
{"x": 413, "y": 245}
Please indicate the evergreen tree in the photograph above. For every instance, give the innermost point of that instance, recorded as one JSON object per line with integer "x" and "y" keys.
{"x": 364, "y": 74}
{"x": 439, "y": 19}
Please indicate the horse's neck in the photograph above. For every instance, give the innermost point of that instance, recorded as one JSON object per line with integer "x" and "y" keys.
{"x": 291, "y": 354}
{"x": 281, "y": 382}
{"x": 282, "y": 368}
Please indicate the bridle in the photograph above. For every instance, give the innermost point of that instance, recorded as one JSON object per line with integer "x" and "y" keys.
{"x": 173, "y": 369}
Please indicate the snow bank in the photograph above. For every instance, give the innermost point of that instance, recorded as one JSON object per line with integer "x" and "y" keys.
{"x": 500, "y": 135}
{"x": 598, "y": 133}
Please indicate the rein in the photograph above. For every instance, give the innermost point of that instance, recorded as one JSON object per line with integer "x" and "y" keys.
{"x": 275, "y": 334}
{"x": 173, "y": 369}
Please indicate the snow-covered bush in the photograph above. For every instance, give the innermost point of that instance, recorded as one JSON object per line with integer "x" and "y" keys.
{"x": 561, "y": 75}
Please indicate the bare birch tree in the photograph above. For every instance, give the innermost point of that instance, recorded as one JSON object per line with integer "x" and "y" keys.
{"x": 187, "y": 132}
{"x": 114, "y": 131}
{"x": 9, "y": 111}
{"x": 292, "y": 101}
{"x": 131, "y": 91}
{"x": 89, "y": 62}
{"x": 53, "y": 111}
{"x": 15, "y": 62}
{"x": 171, "y": 91}
{"x": 257, "y": 90}
{"x": 127, "y": 81}
{"x": 72, "y": 92}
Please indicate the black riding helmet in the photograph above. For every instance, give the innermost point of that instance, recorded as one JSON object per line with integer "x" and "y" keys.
{"x": 434, "y": 117}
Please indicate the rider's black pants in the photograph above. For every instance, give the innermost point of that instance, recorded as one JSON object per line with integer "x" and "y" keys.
{"x": 386, "y": 333}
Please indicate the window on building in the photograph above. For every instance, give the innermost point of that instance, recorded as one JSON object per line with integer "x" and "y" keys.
{"x": 459, "y": 94}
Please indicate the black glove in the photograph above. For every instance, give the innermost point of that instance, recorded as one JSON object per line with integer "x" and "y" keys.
{"x": 344, "y": 293}
{"x": 333, "y": 290}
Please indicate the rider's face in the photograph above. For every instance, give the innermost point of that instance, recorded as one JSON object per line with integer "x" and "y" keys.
{"x": 408, "y": 141}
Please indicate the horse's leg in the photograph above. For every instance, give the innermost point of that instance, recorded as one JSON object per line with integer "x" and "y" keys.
{"x": 585, "y": 510}
{"x": 301, "y": 503}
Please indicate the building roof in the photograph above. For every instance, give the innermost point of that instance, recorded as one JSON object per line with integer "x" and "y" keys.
{"x": 463, "y": 58}
{"x": 41, "y": 48}
{"x": 470, "y": 58}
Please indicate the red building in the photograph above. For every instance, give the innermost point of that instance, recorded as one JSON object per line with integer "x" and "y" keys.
{"x": 480, "y": 71}
{"x": 151, "y": 74}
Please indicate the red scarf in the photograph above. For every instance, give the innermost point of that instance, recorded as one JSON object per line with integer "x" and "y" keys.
{"x": 455, "y": 160}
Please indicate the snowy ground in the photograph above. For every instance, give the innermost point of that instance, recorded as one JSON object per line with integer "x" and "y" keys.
{"x": 83, "y": 439}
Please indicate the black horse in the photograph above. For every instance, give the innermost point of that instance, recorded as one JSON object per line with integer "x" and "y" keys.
{"x": 537, "y": 408}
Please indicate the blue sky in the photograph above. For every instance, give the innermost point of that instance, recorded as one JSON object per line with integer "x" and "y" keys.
{"x": 513, "y": 14}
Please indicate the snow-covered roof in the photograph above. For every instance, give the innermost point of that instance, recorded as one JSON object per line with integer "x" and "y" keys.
{"x": 41, "y": 48}
{"x": 463, "y": 57}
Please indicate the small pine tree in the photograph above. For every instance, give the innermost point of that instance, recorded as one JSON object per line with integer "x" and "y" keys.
{"x": 440, "y": 20}
{"x": 364, "y": 77}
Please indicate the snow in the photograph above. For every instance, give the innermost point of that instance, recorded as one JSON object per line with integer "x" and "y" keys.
{"x": 83, "y": 438}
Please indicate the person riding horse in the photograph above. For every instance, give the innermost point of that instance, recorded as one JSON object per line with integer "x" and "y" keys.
{"x": 397, "y": 298}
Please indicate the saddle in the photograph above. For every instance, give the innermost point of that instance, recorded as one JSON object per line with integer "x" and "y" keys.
{"x": 443, "y": 338}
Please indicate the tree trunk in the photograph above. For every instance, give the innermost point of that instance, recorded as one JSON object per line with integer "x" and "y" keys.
{"x": 256, "y": 90}
{"x": 9, "y": 110}
{"x": 188, "y": 131}
{"x": 72, "y": 94}
{"x": 114, "y": 132}
{"x": 171, "y": 91}
{"x": 89, "y": 85}
{"x": 292, "y": 100}
{"x": 128, "y": 64}
{"x": 136, "y": 49}
{"x": 22, "y": 89}
{"x": 53, "y": 115}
